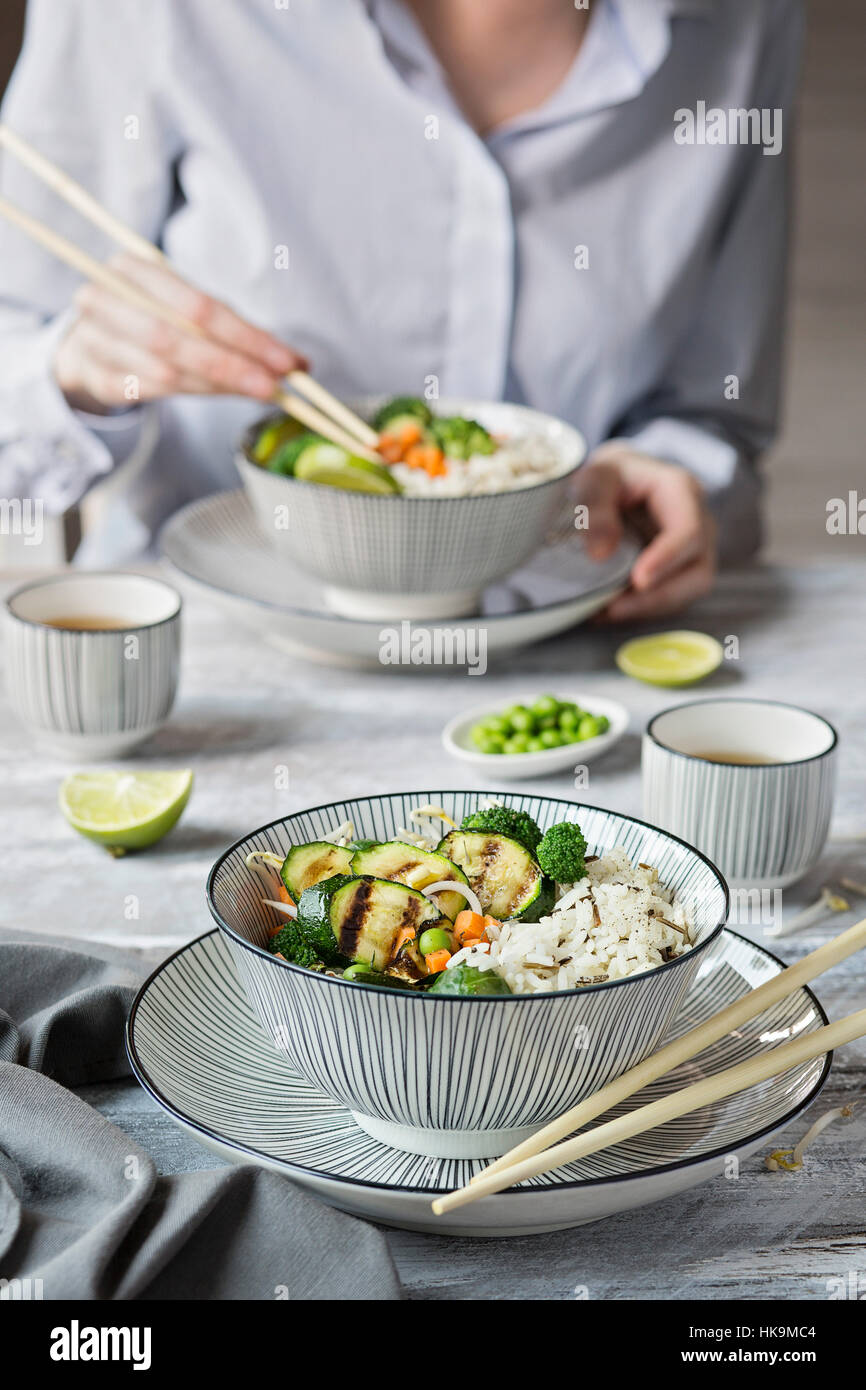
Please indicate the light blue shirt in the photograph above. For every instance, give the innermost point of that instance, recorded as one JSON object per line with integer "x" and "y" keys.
{"x": 309, "y": 165}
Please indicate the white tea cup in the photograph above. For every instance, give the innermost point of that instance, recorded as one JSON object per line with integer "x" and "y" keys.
{"x": 748, "y": 782}
{"x": 92, "y": 660}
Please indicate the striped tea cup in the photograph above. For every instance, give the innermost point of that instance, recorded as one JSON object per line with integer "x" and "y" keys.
{"x": 92, "y": 660}
{"x": 749, "y": 782}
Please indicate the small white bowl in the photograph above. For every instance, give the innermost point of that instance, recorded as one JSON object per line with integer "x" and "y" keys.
{"x": 457, "y": 741}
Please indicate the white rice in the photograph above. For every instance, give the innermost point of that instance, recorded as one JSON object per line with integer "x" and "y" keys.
{"x": 519, "y": 462}
{"x": 603, "y": 928}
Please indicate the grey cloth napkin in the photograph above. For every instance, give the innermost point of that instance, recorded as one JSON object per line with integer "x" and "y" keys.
{"x": 83, "y": 1208}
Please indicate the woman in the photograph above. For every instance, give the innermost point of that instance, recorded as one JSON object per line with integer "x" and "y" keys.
{"x": 479, "y": 197}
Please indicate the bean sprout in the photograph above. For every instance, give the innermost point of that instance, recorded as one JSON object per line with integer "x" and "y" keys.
{"x": 792, "y": 1159}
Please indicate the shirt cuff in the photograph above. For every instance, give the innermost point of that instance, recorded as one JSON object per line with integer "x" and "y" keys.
{"x": 48, "y": 451}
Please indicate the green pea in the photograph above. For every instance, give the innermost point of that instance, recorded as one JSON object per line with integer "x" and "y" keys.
{"x": 590, "y": 726}
{"x": 478, "y": 734}
{"x": 360, "y": 967}
{"x": 434, "y": 939}
{"x": 497, "y": 725}
{"x": 493, "y": 743}
{"x": 535, "y": 745}
{"x": 544, "y": 705}
{"x": 519, "y": 743}
{"x": 551, "y": 738}
{"x": 522, "y": 720}
{"x": 569, "y": 718}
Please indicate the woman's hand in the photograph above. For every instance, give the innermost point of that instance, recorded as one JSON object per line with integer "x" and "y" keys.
{"x": 679, "y": 562}
{"x": 116, "y": 355}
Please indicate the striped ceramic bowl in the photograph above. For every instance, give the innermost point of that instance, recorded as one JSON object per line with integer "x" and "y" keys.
{"x": 760, "y": 803}
{"x": 458, "y": 1077}
{"x": 415, "y": 557}
{"x": 104, "y": 679}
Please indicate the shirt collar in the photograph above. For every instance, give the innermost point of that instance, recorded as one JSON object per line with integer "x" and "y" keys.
{"x": 626, "y": 42}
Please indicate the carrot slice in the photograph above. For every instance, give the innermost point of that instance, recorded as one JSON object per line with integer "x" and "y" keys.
{"x": 410, "y": 434}
{"x": 390, "y": 448}
{"x": 425, "y": 456}
{"x": 407, "y": 934}
{"x": 468, "y": 927}
{"x": 437, "y": 960}
{"x": 393, "y": 445}
{"x": 285, "y": 895}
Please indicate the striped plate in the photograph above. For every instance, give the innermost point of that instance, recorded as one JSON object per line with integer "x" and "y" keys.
{"x": 196, "y": 1046}
{"x": 216, "y": 543}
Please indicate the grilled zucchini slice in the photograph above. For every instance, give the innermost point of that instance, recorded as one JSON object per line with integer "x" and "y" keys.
{"x": 366, "y": 918}
{"x": 307, "y": 864}
{"x": 504, "y": 875}
{"x": 404, "y": 863}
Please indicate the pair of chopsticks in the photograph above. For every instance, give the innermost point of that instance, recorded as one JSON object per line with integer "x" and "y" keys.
{"x": 542, "y": 1153}
{"x": 342, "y": 426}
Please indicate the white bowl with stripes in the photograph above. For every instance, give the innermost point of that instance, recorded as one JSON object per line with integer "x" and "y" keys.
{"x": 456, "y": 1077}
{"x": 764, "y": 823}
{"x": 92, "y": 693}
{"x": 387, "y": 557}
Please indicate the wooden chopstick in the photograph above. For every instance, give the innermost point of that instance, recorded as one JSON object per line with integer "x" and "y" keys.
{"x": 686, "y": 1046}
{"x": 95, "y": 270}
{"x": 324, "y": 425}
{"x": 352, "y": 426}
{"x": 77, "y": 197}
{"x": 713, "y": 1088}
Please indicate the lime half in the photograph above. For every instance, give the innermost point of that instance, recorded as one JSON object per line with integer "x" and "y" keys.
{"x": 125, "y": 810}
{"x": 670, "y": 658}
{"x": 326, "y": 463}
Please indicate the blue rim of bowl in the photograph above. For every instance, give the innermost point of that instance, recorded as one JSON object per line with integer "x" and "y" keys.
{"x": 71, "y": 577}
{"x": 481, "y": 1000}
{"x": 324, "y": 615}
{"x": 742, "y": 700}
{"x": 141, "y": 1075}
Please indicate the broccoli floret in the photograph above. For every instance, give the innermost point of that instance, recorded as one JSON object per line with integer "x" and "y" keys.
{"x": 502, "y": 820}
{"x": 291, "y": 943}
{"x": 562, "y": 851}
{"x": 460, "y": 438}
{"x": 402, "y": 405}
{"x": 287, "y": 455}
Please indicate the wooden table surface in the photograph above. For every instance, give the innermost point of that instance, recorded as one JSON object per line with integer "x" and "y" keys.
{"x": 250, "y": 719}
